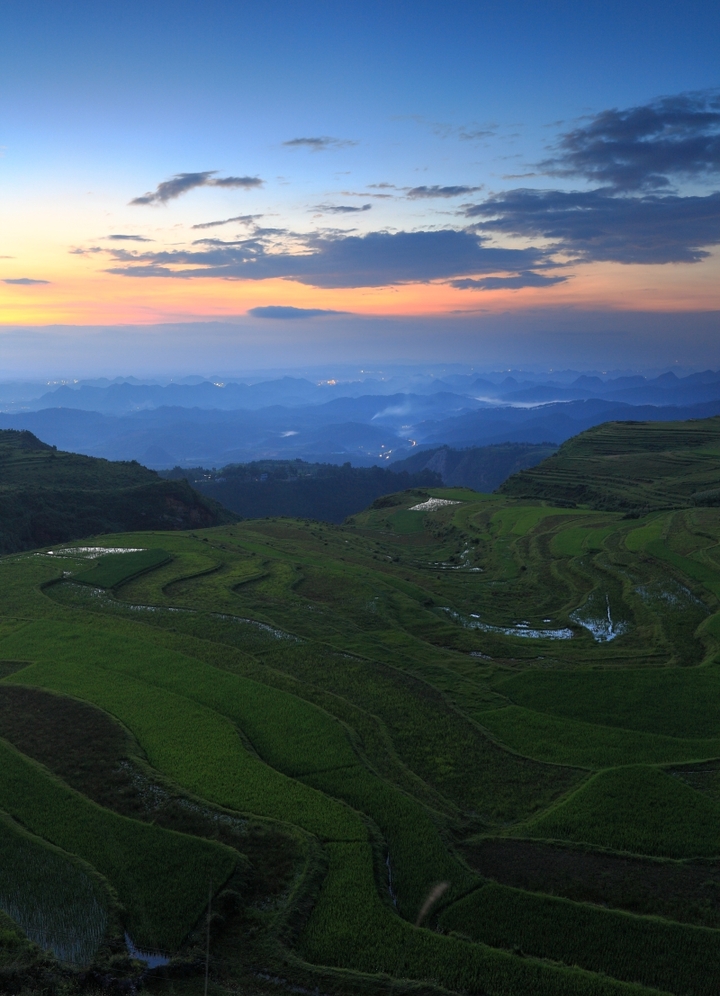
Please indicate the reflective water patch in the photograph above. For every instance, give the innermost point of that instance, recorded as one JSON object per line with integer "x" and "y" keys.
{"x": 521, "y": 629}
{"x": 50, "y": 897}
{"x": 602, "y": 626}
{"x": 431, "y": 504}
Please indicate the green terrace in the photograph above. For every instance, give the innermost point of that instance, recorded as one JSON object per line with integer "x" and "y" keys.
{"x": 516, "y": 696}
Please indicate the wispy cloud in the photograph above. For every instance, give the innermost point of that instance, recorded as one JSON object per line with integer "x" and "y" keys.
{"x": 364, "y": 193}
{"x": 340, "y": 208}
{"x": 417, "y": 193}
{"x": 24, "y": 281}
{"x": 524, "y": 279}
{"x": 286, "y": 311}
{"x": 425, "y": 192}
{"x": 242, "y": 219}
{"x": 472, "y": 132}
{"x": 128, "y": 238}
{"x": 182, "y": 183}
{"x": 320, "y": 143}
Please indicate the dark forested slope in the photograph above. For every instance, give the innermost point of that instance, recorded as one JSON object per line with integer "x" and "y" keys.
{"x": 299, "y": 489}
{"x": 632, "y": 466}
{"x": 48, "y": 496}
{"x": 482, "y": 468}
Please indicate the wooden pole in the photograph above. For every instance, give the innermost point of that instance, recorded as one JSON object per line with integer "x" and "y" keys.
{"x": 207, "y": 942}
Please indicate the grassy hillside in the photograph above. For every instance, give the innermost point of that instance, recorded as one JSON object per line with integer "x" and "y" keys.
{"x": 630, "y": 466}
{"x": 47, "y": 496}
{"x": 321, "y": 724}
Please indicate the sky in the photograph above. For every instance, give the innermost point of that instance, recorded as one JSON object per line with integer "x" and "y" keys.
{"x": 233, "y": 184}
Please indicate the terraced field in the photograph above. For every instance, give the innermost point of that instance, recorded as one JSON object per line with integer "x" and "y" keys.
{"x": 315, "y": 726}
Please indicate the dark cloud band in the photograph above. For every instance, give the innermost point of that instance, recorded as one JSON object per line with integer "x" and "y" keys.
{"x": 281, "y": 311}
{"x": 341, "y": 208}
{"x": 525, "y": 279}
{"x": 416, "y": 193}
{"x": 320, "y": 143}
{"x": 181, "y": 183}
{"x": 24, "y": 281}
{"x": 597, "y": 225}
{"x": 645, "y": 147}
{"x": 242, "y": 219}
{"x": 128, "y": 238}
{"x": 373, "y": 260}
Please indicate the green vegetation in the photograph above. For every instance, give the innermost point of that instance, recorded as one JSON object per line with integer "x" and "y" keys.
{"x": 60, "y": 905}
{"x": 672, "y": 701}
{"x": 354, "y": 928}
{"x": 684, "y": 891}
{"x": 200, "y": 750}
{"x": 638, "y": 809}
{"x": 160, "y": 877}
{"x": 116, "y": 568}
{"x": 48, "y": 496}
{"x": 652, "y": 951}
{"x": 417, "y": 857}
{"x": 407, "y": 523}
{"x": 630, "y": 466}
{"x": 323, "y": 722}
{"x": 568, "y": 741}
{"x": 23, "y": 963}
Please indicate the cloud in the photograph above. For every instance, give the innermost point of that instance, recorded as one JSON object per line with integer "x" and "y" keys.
{"x": 525, "y": 279}
{"x": 243, "y": 219}
{"x": 24, "y": 281}
{"x": 320, "y": 143}
{"x": 181, "y": 183}
{"x": 364, "y": 193}
{"x": 285, "y": 311}
{"x": 466, "y": 133}
{"x": 597, "y": 225}
{"x": 644, "y": 147}
{"x": 376, "y": 259}
{"x": 128, "y": 238}
{"x": 435, "y": 191}
{"x": 476, "y": 134}
{"x": 634, "y": 215}
{"x": 340, "y": 208}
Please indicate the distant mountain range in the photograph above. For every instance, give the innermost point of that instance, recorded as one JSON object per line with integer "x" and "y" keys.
{"x": 365, "y": 422}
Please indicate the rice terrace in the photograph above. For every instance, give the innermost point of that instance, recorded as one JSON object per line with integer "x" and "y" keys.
{"x": 463, "y": 743}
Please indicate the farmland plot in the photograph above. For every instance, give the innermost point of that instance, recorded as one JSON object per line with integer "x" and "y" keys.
{"x": 60, "y": 904}
{"x": 320, "y": 679}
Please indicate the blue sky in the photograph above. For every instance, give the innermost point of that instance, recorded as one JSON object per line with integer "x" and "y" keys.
{"x": 342, "y": 131}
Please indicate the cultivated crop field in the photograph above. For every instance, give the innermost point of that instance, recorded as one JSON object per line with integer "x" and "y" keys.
{"x": 318, "y": 725}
